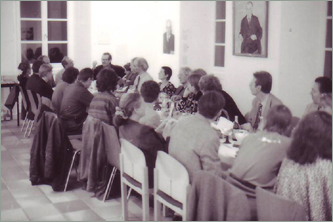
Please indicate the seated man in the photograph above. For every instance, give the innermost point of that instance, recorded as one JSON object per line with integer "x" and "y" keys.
{"x": 261, "y": 86}
{"x": 106, "y": 63}
{"x": 212, "y": 83}
{"x": 75, "y": 102}
{"x": 140, "y": 65}
{"x": 195, "y": 133}
{"x": 131, "y": 74}
{"x": 66, "y": 62}
{"x": 320, "y": 86}
{"x": 260, "y": 155}
{"x": 38, "y": 81}
{"x": 149, "y": 92}
{"x": 68, "y": 77}
{"x": 184, "y": 72}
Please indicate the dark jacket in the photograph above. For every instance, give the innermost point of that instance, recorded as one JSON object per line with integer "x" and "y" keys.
{"x": 51, "y": 153}
{"x": 232, "y": 109}
{"x": 120, "y": 71}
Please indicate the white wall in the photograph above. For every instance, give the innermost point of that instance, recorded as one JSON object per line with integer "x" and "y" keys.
{"x": 132, "y": 29}
{"x": 293, "y": 58}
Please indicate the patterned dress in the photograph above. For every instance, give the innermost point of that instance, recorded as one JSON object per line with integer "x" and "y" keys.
{"x": 169, "y": 89}
{"x": 189, "y": 104}
{"x": 309, "y": 185}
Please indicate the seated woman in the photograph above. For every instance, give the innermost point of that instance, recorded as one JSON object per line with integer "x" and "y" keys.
{"x": 212, "y": 83}
{"x": 166, "y": 86}
{"x": 325, "y": 103}
{"x": 68, "y": 77}
{"x": 24, "y": 66}
{"x": 306, "y": 174}
{"x": 103, "y": 105}
{"x": 191, "y": 96}
{"x": 260, "y": 155}
{"x": 131, "y": 109}
{"x": 129, "y": 78}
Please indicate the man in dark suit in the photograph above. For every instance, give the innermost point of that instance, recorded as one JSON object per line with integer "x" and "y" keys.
{"x": 251, "y": 32}
{"x": 106, "y": 63}
{"x": 168, "y": 39}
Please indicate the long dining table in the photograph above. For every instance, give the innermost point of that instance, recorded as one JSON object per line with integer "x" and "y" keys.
{"x": 9, "y": 84}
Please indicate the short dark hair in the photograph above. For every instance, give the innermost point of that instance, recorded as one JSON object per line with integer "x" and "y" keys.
{"x": 85, "y": 74}
{"x": 264, "y": 79}
{"x": 278, "y": 119}
{"x": 193, "y": 79}
{"x": 70, "y": 75}
{"x": 325, "y": 84}
{"x": 210, "y": 83}
{"x": 108, "y": 54}
{"x": 36, "y": 65}
{"x": 210, "y": 104}
{"x": 149, "y": 91}
{"x": 106, "y": 80}
{"x": 127, "y": 66}
{"x": 312, "y": 139}
{"x": 199, "y": 71}
{"x": 24, "y": 66}
{"x": 167, "y": 71}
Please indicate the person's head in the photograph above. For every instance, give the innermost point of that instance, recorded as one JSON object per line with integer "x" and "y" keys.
{"x": 249, "y": 8}
{"x": 193, "y": 83}
{"x": 70, "y": 75}
{"x": 127, "y": 68}
{"x": 211, "y": 104}
{"x": 45, "y": 72}
{"x": 66, "y": 62}
{"x": 130, "y": 105}
{"x": 209, "y": 83}
{"x": 312, "y": 139}
{"x": 165, "y": 73}
{"x": 168, "y": 27}
{"x": 106, "y": 80}
{"x": 132, "y": 65}
{"x": 85, "y": 77}
{"x": 261, "y": 82}
{"x": 326, "y": 103}
{"x": 36, "y": 65}
{"x": 321, "y": 85}
{"x": 199, "y": 71}
{"x": 106, "y": 59}
{"x": 44, "y": 58}
{"x": 24, "y": 66}
{"x": 30, "y": 54}
{"x": 278, "y": 119}
{"x": 140, "y": 65}
{"x": 150, "y": 91}
{"x": 184, "y": 73}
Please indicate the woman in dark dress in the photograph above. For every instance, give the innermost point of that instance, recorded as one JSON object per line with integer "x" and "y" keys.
{"x": 23, "y": 78}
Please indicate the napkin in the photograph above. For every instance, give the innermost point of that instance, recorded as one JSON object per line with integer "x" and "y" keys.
{"x": 223, "y": 124}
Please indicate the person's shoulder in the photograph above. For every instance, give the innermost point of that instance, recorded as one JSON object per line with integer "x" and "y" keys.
{"x": 275, "y": 100}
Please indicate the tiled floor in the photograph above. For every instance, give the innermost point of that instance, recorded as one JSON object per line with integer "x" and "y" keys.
{"x": 20, "y": 201}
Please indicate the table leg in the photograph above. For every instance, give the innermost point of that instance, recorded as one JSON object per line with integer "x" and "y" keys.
{"x": 18, "y": 111}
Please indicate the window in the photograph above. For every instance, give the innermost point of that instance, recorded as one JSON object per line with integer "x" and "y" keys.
{"x": 43, "y": 30}
{"x": 328, "y": 45}
{"x": 220, "y": 33}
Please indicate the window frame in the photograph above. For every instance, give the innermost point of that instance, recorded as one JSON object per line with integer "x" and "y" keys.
{"x": 215, "y": 67}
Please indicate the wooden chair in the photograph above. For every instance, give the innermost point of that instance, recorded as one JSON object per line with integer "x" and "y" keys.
{"x": 134, "y": 174}
{"x": 77, "y": 147}
{"x": 272, "y": 207}
{"x": 171, "y": 185}
{"x": 35, "y": 109}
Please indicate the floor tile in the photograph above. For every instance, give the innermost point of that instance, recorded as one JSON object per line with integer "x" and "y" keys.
{"x": 83, "y": 194}
{"x": 71, "y": 206}
{"x": 21, "y": 175}
{"x": 58, "y": 217}
{"x": 41, "y": 211}
{"x": 57, "y": 197}
{"x": 83, "y": 215}
{"x": 8, "y": 202}
{"x": 18, "y": 184}
{"x": 33, "y": 201}
{"x": 95, "y": 203}
{"x": 27, "y": 193}
{"x": 3, "y": 148}
{"x": 108, "y": 212}
{"x": 13, "y": 215}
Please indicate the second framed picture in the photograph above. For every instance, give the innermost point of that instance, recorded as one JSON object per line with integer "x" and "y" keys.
{"x": 250, "y": 28}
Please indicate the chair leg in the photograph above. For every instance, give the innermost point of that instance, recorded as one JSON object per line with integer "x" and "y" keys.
{"x": 25, "y": 120}
{"x": 31, "y": 128}
{"x": 145, "y": 205}
{"x": 109, "y": 186}
{"x": 27, "y": 129}
{"x": 129, "y": 193}
{"x": 70, "y": 169}
{"x": 124, "y": 201}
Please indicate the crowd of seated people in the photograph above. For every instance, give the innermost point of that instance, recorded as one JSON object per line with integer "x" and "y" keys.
{"x": 266, "y": 158}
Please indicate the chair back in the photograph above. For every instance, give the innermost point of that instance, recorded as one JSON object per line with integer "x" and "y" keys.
{"x": 133, "y": 161}
{"x": 272, "y": 207}
{"x": 24, "y": 98}
{"x": 111, "y": 144}
{"x": 173, "y": 178}
{"x": 35, "y": 107}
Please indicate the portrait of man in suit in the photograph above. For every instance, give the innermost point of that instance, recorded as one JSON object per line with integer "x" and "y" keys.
{"x": 168, "y": 39}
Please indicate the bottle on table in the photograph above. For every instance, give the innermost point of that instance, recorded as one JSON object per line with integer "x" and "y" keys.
{"x": 235, "y": 128}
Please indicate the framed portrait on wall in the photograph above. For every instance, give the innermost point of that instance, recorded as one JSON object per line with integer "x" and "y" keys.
{"x": 168, "y": 39}
{"x": 250, "y": 28}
